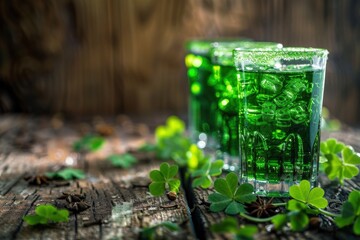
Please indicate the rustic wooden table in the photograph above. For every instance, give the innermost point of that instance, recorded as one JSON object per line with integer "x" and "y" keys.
{"x": 120, "y": 205}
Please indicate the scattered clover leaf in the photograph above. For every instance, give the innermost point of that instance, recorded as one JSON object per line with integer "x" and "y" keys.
{"x": 297, "y": 219}
{"x": 331, "y": 146}
{"x": 47, "y": 213}
{"x": 229, "y": 196}
{"x": 305, "y": 202}
{"x": 341, "y": 160}
{"x": 195, "y": 157}
{"x": 147, "y": 147}
{"x": 230, "y": 225}
{"x": 122, "y": 160}
{"x": 171, "y": 141}
{"x": 202, "y": 176}
{"x": 89, "y": 143}
{"x": 350, "y": 213}
{"x": 67, "y": 174}
{"x": 164, "y": 179}
{"x": 313, "y": 197}
{"x": 150, "y": 232}
{"x": 279, "y": 220}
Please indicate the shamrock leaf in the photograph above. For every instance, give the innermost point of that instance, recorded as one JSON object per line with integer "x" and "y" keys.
{"x": 89, "y": 143}
{"x": 124, "y": 160}
{"x": 297, "y": 219}
{"x": 204, "y": 174}
{"x": 313, "y": 197}
{"x": 164, "y": 179}
{"x": 195, "y": 157}
{"x": 47, "y": 213}
{"x": 341, "y": 166}
{"x": 230, "y": 225}
{"x": 299, "y": 207}
{"x": 230, "y": 197}
{"x": 150, "y": 232}
{"x": 279, "y": 220}
{"x": 67, "y": 174}
{"x": 147, "y": 147}
{"x": 331, "y": 146}
{"x": 350, "y": 213}
{"x": 171, "y": 142}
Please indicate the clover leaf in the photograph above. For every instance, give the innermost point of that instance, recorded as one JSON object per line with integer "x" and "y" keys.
{"x": 147, "y": 147}
{"x": 67, "y": 174}
{"x": 150, "y": 232}
{"x": 279, "y": 220}
{"x": 230, "y": 225}
{"x": 47, "y": 213}
{"x": 313, "y": 197}
{"x": 350, "y": 213}
{"x": 331, "y": 146}
{"x": 306, "y": 201}
{"x": 170, "y": 140}
{"x": 89, "y": 143}
{"x": 203, "y": 175}
{"x": 230, "y": 197}
{"x": 297, "y": 219}
{"x": 124, "y": 160}
{"x": 164, "y": 179}
{"x": 341, "y": 160}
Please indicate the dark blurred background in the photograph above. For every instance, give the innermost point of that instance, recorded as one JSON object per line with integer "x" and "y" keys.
{"x": 85, "y": 57}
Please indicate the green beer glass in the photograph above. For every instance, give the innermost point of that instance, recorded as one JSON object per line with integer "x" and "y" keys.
{"x": 203, "y": 116}
{"x": 226, "y": 91}
{"x": 281, "y": 100}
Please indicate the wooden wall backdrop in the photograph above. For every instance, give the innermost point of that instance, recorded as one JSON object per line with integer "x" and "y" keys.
{"x": 83, "y": 57}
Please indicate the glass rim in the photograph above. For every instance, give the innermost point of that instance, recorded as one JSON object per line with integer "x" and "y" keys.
{"x": 300, "y": 50}
{"x": 225, "y": 46}
{"x": 204, "y": 45}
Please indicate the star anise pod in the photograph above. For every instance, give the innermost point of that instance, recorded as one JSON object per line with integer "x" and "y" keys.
{"x": 37, "y": 179}
{"x": 77, "y": 206}
{"x": 262, "y": 208}
{"x": 72, "y": 197}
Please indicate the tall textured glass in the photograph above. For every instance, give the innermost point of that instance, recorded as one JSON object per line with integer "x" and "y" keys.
{"x": 280, "y": 113}
{"x": 226, "y": 91}
{"x": 203, "y": 114}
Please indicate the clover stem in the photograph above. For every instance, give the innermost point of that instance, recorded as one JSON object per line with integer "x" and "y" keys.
{"x": 254, "y": 219}
{"x": 330, "y": 214}
{"x": 279, "y": 204}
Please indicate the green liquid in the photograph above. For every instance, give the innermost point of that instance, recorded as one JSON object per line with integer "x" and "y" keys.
{"x": 202, "y": 111}
{"x": 280, "y": 128}
{"x": 228, "y": 108}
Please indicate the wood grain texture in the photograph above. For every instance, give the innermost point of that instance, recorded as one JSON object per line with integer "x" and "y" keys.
{"x": 107, "y": 57}
{"x": 121, "y": 205}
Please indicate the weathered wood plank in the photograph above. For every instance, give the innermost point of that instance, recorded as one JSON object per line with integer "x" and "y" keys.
{"x": 120, "y": 203}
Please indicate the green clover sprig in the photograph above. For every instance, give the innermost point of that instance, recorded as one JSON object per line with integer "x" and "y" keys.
{"x": 306, "y": 201}
{"x": 230, "y": 196}
{"x": 350, "y": 213}
{"x": 67, "y": 174}
{"x": 45, "y": 214}
{"x": 126, "y": 160}
{"x": 89, "y": 143}
{"x": 231, "y": 225}
{"x": 202, "y": 176}
{"x": 164, "y": 179}
{"x": 338, "y": 160}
